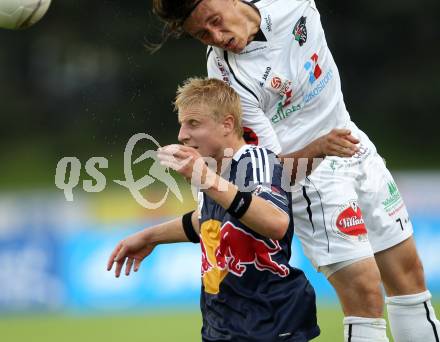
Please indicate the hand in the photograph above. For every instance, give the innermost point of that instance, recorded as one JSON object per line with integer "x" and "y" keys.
{"x": 133, "y": 249}
{"x": 187, "y": 161}
{"x": 339, "y": 142}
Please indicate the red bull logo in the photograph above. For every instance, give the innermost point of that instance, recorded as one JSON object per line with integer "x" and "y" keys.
{"x": 212, "y": 276}
{"x": 230, "y": 249}
{"x": 206, "y": 265}
{"x": 239, "y": 248}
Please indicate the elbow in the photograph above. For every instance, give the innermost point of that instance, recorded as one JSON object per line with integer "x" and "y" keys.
{"x": 279, "y": 227}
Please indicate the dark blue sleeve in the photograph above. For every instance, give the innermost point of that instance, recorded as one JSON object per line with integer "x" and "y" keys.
{"x": 260, "y": 172}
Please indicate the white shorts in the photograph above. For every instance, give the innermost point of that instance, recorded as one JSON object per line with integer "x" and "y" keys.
{"x": 329, "y": 270}
{"x": 349, "y": 208}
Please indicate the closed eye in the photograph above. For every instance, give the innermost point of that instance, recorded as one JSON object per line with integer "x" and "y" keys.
{"x": 216, "y": 21}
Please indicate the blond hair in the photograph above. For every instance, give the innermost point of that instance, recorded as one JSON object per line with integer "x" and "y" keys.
{"x": 219, "y": 97}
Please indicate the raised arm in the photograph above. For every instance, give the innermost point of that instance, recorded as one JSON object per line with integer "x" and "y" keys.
{"x": 262, "y": 216}
{"x": 135, "y": 248}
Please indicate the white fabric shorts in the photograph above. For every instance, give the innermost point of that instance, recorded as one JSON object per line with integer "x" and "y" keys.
{"x": 349, "y": 208}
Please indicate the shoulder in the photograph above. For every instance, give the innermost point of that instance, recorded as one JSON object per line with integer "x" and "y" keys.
{"x": 258, "y": 152}
{"x": 258, "y": 164}
{"x": 263, "y": 175}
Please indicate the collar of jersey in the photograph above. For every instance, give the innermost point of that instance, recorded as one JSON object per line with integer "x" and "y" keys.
{"x": 237, "y": 155}
{"x": 260, "y": 37}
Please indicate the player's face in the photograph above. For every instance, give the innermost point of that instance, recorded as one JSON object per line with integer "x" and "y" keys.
{"x": 221, "y": 23}
{"x": 199, "y": 130}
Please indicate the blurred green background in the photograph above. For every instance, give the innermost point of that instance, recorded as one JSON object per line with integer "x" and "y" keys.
{"x": 81, "y": 83}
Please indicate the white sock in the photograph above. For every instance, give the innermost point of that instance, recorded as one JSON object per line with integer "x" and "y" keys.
{"x": 412, "y": 318}
{"x": 362, "y": 329}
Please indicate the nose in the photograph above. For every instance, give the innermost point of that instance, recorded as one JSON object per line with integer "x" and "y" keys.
{"x": 217, "y": 37}
{"x": 183, "y": 136}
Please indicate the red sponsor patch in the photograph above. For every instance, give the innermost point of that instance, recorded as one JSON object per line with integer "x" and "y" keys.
{"x": 287, "y": 98}
{"x": 317, "y": 71}
{"x": 350, "y": 221}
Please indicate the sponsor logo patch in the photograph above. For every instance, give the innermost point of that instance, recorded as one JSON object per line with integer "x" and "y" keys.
{"x": 285, "y": 107}
{"x": 313, "y": 68}
{"x": 393, "y": 203}
{"x": 276, "y": 83}
{"x": 238, "y": 249}
{"x": 231, "y": 249}
{"x": 349, "y": 223}
{"x": 265, "y": 76}
{"x": 315, "y": 73}
{"x": 357, "y": 159}
{"x": 283, "y": 88}
{"x": 283, "y": 113}
{"x": 319, "y": 87}
{"x": 268, "y": 21}
{"x": 280, "y": 85}
{"x": 223, "y": 71}
{"x": 300, "y": 31}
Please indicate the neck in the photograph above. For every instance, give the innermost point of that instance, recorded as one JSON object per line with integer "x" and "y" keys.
{"x": 233, "y": 145}
{"x": 252, "y": 17}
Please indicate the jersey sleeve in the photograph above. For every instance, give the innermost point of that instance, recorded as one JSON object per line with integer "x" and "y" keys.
{"x": 262, "y": 173}
{"x": 257, "y": 127}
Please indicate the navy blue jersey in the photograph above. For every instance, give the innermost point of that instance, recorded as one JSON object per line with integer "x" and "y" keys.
{"x": 249, "y": 290}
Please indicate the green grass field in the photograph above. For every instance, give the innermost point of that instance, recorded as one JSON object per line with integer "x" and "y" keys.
{"x": 161, "y": 327}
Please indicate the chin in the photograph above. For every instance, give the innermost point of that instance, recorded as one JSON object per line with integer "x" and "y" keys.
{"x": 239, "y": 48}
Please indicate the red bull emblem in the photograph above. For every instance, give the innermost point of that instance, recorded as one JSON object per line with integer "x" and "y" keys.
{"x": 206, "y": 265}
{"x": 349, "y": 221}
{"x": 239, "y": 248}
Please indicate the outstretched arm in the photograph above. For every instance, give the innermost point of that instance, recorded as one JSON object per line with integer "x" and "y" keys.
{"x": 135, "y": 248}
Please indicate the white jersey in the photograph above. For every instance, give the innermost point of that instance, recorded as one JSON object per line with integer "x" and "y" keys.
{"x": 287, "y": 79}
{"x": 291, "y": 94}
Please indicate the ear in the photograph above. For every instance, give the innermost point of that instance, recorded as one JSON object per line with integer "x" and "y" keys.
{"x": 228, "y": 124}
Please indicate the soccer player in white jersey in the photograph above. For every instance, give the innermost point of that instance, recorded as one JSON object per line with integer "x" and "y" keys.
{"x": 274, "y": 54}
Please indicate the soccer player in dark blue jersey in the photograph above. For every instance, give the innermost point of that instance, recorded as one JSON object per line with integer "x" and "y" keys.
{"x": 243, "y": 223}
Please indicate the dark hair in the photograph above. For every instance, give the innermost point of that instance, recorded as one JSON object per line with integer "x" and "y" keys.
{"x": 173, "y": 13}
